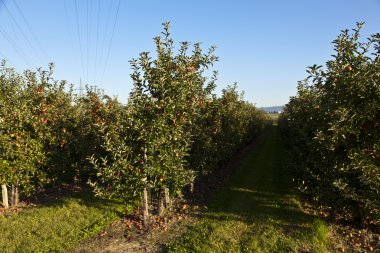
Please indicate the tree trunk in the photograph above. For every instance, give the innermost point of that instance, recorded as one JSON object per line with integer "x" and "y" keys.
{"x": 5, "y": 195}
{"x": 167, "y": 198}
{"x": 192, "y": 187}
{"x": 161, "y": 207}
{"x": 14, "y": 195}
{"x": 146, "y": 197}
{"x": 145, "y": 206}
{"x": 150, "y": 201}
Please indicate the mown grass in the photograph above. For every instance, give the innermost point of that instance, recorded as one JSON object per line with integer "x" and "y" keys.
{"x": 59, "y": 224}
{"x": 257, "y": 211}
{"x": 273, "y": 116}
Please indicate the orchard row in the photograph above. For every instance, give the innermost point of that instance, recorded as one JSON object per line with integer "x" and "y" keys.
{"x": 173, "y": 128}
{"x": 333, "y": 129}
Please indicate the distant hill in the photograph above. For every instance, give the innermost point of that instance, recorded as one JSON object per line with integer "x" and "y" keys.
{"x": 272, "y": 108}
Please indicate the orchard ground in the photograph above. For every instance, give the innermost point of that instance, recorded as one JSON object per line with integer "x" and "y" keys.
{"x": 257, "y": 210}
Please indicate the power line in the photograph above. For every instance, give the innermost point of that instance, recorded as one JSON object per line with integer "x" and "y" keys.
{"x": 80, "y": 42}
{"x": 22, "y": 32}
{"x": 32, "y": 32}
{"x": 106, "y": 28}
{"x": 70, "y": 33}
{"x": 89, "y": 45}
{"x": 110, "y": 44}
{"x": 97, "y": 40}
{"x": 88, "y": 41}
{"x": 4, "y": 57}
{"x": 13, "y": 44}
{"x": 68, "y": 24}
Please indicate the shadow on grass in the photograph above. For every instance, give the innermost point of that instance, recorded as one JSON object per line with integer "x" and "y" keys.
{"x": 258, "y": 207}
{"x": 257, "y": 210}
{"x": 83, "y": 197}
{"x": 261, "y": 188}
{"x": 58, "y": 221}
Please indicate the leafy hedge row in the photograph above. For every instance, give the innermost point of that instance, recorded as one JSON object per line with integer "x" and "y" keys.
{"x": 175, "y": 126}
{"x": 333, "y": 128}
{"x": 47, "y": 133}
{"x": 172, "y": 128}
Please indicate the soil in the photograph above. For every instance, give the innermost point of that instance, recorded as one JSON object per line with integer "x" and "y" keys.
{"x": 131, "y": 235}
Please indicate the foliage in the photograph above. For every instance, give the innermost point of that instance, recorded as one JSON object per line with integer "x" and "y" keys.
{"x": 46, "y": 132}
{"x": 95, "y": 112}
{"x": 222, "y": 127}
{"x": 333, "y": 128}
{"x": 23, "y": 126}
{"x": 174, "y": 125}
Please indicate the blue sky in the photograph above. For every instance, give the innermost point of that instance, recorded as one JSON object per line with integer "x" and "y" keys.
{"x": 264, "y": 46}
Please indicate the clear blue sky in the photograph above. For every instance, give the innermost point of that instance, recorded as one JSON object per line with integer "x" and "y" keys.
{"x": 265, "y": 46}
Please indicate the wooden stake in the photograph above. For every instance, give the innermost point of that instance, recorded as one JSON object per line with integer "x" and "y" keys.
{"x": 145, "y": 206}
{"x": 161, "y": 207}
{"x": 167, "y": 198}
{"x": 4, "y": 191}
{"x": 14, "y": 195}
{"x": 192, "y": 187}
{"x": 150, "y": 200}
{"x": 17, "y": 195}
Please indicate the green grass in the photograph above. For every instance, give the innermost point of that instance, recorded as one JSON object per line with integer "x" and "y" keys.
{"x": 257, "y": 211}
{"x": 57, "y": 225}
{"x": 273, "y": 116}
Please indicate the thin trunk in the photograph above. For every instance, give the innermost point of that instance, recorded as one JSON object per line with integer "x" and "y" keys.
{"x": 192, "y": 187}
{"x": 167, "y": 198}
{"x": 14, "y": 195}
{"x": 161, "y": 207}
{"x": 146, "y": 206}
{"x": 146, "y": 197}
{"x": 150, "y": 200}
{"x": 4, "y": 190}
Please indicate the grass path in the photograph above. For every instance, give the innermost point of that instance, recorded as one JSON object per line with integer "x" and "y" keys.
{"x": 257, "y": 211}
{"x": 57, "y": 224}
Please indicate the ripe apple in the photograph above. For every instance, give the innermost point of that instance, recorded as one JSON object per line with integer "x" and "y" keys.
{"x": 348, "y": 68}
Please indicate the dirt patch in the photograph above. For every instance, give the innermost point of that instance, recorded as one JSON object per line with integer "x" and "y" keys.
{"x": 350, "y": 239}
{"x": 15, "y": 209}
{"x": 131, "y": 235}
